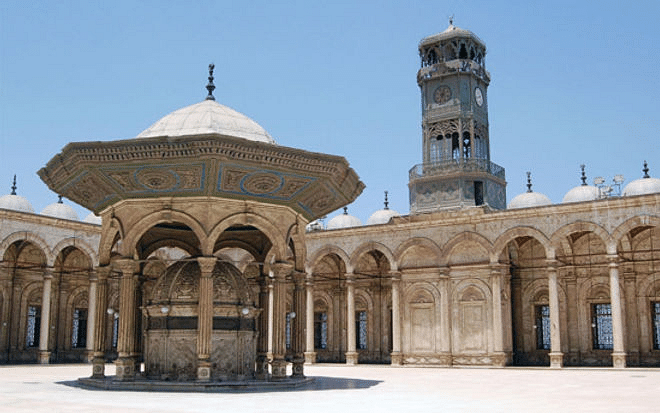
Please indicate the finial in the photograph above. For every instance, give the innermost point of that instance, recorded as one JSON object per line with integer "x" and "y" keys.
{"x": 13, "y": 187}
{"x": 386, "y": 201}
{"x": 646, "y": 170}
{"x": 529, "y": 181}
{"x": 59, "y": 199}
{"x": 451, "y": 20}
{"x": 210, "y": 86}
{"x": 345, "y": 210}
{"x": 584, "y": 176}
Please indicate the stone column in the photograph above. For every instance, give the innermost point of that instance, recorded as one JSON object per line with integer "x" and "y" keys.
{"x": 499, "y": 358}
{"x": 298, "y": 324}
{"x": 100, "y": 315}
{"x": 44, "y": 328}
{"x": 618, "y": 328}
{"x": 556, "y": 355}
{"x": 205, "y": 317}
{"x": 91, "y": 315}
{"x": 310, "y": 353}
{"x": 397, "y": 357}
{"x": 263, "y": 320}
{"x": 125, "y": 363}
{"x": 280, "y": 270}
{"x": 445, "y": 318}
{"x": 6, "y": 310}
{"x": 351, "y": 353}
{"x": 271, "y": 294}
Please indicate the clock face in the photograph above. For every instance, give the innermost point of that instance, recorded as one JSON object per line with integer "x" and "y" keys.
{"x": 478, "y": 97}
{"x": 442, "y": 95}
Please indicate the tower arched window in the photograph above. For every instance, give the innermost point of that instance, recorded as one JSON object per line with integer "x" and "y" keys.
{"x": 463, "y": 54}
{"x": 466, "y": 145}
{"x": 455, "y": 146}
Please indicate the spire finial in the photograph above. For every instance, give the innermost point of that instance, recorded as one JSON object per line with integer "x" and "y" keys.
{"x": 59, "y": 199}
{"x": 451, "y": 20}
{"x": 13, "y": 186}
{"x": 210, "y": 86}
{"x": 529, "y": 181}
{"x": 345, "y": 210}
{"x": 386, "y": 201}
{"x": 646, "y": 170}
{"x": 584, "y": 176}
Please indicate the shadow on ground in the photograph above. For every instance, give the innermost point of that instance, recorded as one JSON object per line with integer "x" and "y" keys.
{"x": 317, "y": 383}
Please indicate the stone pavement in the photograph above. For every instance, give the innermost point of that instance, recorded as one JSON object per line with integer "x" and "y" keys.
{"x": 364, "y": 388}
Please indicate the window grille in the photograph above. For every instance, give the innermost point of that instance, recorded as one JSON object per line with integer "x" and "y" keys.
{"x": 361, "y": 329}
{"x": 288, "y": 331}
{"x": 655, "y": 311}
{"x": 79, "y": 328}
{"x": 602, "y": 326}
{"x": 33, "y": 326}
{"x": 543, "y": 327}
{"x": 115, "y": 330}
{"x": 320, "y": 331}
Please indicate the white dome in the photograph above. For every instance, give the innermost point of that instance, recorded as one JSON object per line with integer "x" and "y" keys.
{"x": 208, "y": 117}
{"x": 642, "y": 186}
{"x": 529, "y": 200}
{"x": 382, "y": 216}
{"x": 92, "y": 219}
{"x": 343, "y": 221}
{"x": 60, "y": 210}
{"x": 15, "y": 203}
{"x": 315, "y": 225}
{"x": 581, "y": 193}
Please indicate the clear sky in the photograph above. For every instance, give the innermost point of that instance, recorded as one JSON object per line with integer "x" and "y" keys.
{"x": 572, "y": 81}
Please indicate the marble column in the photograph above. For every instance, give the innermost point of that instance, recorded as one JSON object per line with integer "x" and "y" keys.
{"x": 445, "y": 317}
{"x": 91, "y": 314}
{"x": 100, "y": 314}
{"x": 397, "y": 357}
{"x": 271, "y": 294}
{"x": 7, "y": 278}
{"x": 298, "y": 324}
{"x": 263, "y": 320}
{"x": 351, "y": 353}
{"x": 618, "y": 328}
{"x": 310, "y": 351}
{"x": 125, "y": 363}
{"x": 281, "y": 270}
{"x": 556, "y": 355}
{"x": 44, "y": 328}
{"x": 499, "y": 358}
{"x": 205, "y": 317}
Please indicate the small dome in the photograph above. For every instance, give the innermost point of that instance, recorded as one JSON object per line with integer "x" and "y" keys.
{"x": 451, "y": 32}
{"x": 643, "y": 186}
{"x": 581, "y": 193}
{"x": 344, "y": 221}
{"x": 91, "y": 218}
{"x": 382, "y": 216}
{"x": 15, "y": 203}
{"x": 529, "y": 199}
{"x": 60, "y": 210}
{"x": 208, "y": 117}
{"x": 314, "y": 226}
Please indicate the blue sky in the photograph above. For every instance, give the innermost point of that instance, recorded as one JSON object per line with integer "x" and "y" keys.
{"x": 572, "y": 82}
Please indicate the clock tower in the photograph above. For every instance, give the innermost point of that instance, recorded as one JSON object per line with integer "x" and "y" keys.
{"x": 456, "y": 171}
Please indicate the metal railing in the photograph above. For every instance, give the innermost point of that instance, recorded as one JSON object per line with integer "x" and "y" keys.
{"x": 456, "y": 165}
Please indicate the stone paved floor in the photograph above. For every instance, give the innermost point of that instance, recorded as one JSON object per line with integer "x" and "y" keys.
{"x": 343, "y": 389}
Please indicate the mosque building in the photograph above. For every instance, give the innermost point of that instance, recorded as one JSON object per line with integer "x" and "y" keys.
{"x": 206, "y": 257}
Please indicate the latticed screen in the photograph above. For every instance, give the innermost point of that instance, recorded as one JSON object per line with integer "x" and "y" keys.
{"x": 543, "y": 327}
{"x": 33, "y": 326}
{"x": 655, "y": 311}
{"x": 361, "y": 329}
{"x": 288, "y": 331}
{"x": 79, "y": 328}
{"x": 320, "y": 331}
{"x": 115, "y": 330}
{"x": 602, "y": 326}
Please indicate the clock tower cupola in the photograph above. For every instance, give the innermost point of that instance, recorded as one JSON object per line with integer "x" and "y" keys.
{"x": 456, "y": 171}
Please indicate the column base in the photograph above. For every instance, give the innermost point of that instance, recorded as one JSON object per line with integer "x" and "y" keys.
{"x": 310, "y": 357}
{"x": 125, "y": 367}
{"x": 89, "y": 356}
{"x": 619, "y": 360}
{"x": 279, "y": 369}
{"x": 98, "y": 367}
{"x": 203, "y": 370}
{"x": 499, "y": 359}
{"x": 261, "y": 370}
{"x": 351, "y": 358}
{"x": 556, "y": 360}
{"x": 44, "y": 357}
{"x": 298, "y": 371}
{"x": 397, "y": 358}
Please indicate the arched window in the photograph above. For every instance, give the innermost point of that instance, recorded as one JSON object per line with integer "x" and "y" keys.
{"x": 466, "y": 145}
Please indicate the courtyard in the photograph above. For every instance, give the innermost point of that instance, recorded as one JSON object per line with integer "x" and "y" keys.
{"x": 343, "y": 389}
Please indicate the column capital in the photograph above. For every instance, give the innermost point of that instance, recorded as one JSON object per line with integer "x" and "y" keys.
{"x": 127, "y": 266}
{"x": 93, "y": 276}
{"x": 281, "y": 269}
{"x": 48, "y": 273}
{"x": 103, "y": 272}
{"x": 299, "y": 277}
{"x": 443, "y": 270}
{"x": 350, "y": 278}
{"x": 396, "y": 275}
{"x": 206, "y": 265}
{"x": 552, "y": 263}
{"x": 613, "y": 260}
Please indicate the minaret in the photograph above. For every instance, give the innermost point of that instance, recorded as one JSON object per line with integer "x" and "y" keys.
{"x": 456, "y": 171}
